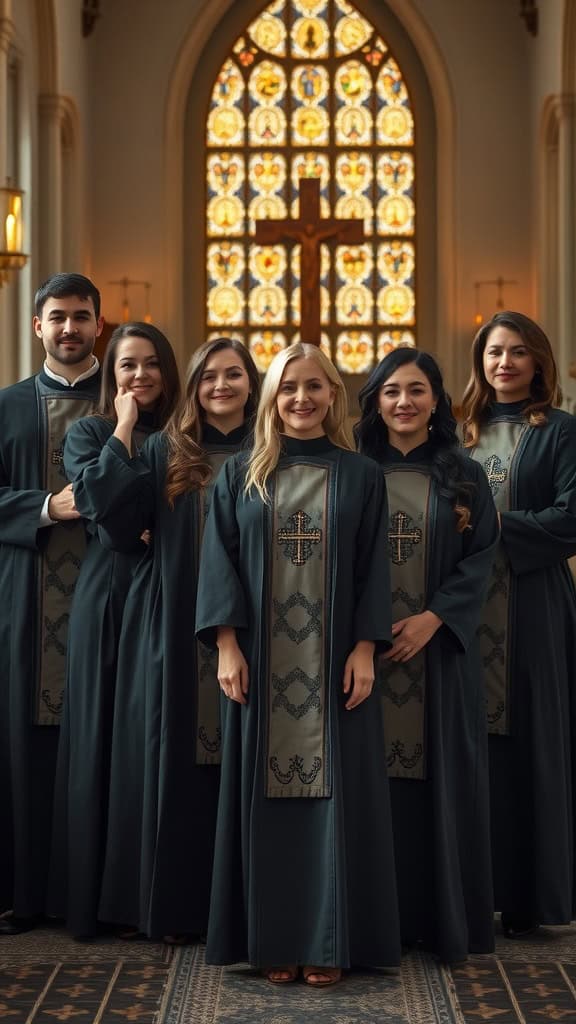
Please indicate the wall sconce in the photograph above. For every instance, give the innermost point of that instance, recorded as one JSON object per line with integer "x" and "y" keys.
{"x": 125, "y": 283}
{"x": 11, "y": 232}
{"x": 499, "y": 283}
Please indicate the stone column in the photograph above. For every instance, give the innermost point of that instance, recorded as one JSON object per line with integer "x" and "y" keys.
{"x": 567, "y": 240}
{"x": 50, "y": 113}
{"x": 8, "y": 292}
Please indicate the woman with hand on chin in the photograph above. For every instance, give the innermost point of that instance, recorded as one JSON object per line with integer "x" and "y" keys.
{"x": 528, "y": 632}
{"x": 139, "y": 362}
{"x": 294, "y": 592}
{"x": 166, "y": 741}
{"x": 442, "y": 531}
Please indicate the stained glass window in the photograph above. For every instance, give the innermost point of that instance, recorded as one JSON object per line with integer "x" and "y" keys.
{"x": 312, "y": 90}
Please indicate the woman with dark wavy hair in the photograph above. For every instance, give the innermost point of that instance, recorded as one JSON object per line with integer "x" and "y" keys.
{"x": 166, "y": 738}
{"x": 442, "y": 536}
{"x": 138, "y": 360}
{"x": 528, "y": 632}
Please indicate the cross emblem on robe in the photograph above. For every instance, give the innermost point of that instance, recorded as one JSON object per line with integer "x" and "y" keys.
{"x": 402, "y": 539}
{"x": 299, "y": 539}
{"x": 310, "y": 230}
{"x": 495, "y": 472}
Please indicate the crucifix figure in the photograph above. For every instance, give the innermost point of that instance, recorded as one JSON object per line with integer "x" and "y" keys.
{"x": 310, "y": 230}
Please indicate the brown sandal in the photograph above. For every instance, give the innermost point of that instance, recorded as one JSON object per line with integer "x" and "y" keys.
{"x": 291, "y": 971}
{"x": 329, "y": 976}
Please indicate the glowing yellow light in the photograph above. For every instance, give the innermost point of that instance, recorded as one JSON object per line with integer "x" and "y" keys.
{"x": 11, "y": 233}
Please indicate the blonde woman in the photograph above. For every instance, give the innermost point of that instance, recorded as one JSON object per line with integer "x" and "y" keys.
{"x": 294, "y": 590}
{"x": 527, "y": 636}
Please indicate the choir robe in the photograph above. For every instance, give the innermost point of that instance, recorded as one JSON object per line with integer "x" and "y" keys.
{"x": 440, "y": 806}
{"x": 532, "y": 763}
{"x": 165, "y": 761}
{"x": 83, "y": 768}
{"x": 303, "y": 870}
{"x": 34, "y": 415}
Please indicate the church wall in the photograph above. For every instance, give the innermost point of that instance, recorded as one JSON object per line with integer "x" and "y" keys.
{"x": 486, "y": 50}
{"x": 554, "y": 153}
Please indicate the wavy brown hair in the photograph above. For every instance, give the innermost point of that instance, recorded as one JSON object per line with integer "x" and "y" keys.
{"x": 545, "y": 390}
{"x": 188, "y": 467}
{"x": 166, "y": 361}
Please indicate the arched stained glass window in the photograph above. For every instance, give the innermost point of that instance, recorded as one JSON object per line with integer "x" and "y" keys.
{"x": 311, "y": 90}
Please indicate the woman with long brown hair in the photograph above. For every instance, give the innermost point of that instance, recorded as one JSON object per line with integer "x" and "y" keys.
{"x": 139, "y": 361}
{"x": 528, "y": 633}
{"x": 166, "y": 737}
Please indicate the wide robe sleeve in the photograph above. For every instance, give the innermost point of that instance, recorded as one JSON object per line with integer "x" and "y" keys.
{"x": 538, "y": 540}
{"x": 20, "y": 507}
{"x": 458, "y": 599}
{"x": 20, "y": 512}
{"x": 373, "y": 609}
{"x": 221, "y": 600}
{"x": 103, "y": 476}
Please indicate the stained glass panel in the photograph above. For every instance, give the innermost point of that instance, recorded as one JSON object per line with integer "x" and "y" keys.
{"x": 311, "y": 90}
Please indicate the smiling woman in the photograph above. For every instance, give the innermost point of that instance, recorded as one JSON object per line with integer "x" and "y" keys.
{"x": 139, "y": 361}
{"x": 137, "y": 370}
{"x": 528, "y": 629}
{"x": 290, "y": 595}
{"x": 442, "y": 532}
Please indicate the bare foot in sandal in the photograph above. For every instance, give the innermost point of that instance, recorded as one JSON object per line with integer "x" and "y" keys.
{"x": 321, "y": 977}
{"x": 280, "y": 975}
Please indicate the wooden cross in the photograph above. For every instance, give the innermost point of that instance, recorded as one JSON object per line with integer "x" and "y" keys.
{"x": 403, "y": 540}
{"x": 310, "y": 230}
{"x": 495, "y": 472}
{"x": 299, "y": 540}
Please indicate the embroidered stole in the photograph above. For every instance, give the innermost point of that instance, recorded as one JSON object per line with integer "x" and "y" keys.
{"x": 403, "y": 684}
{"x": 298, "y": 704}
{"x": 62, "y": 555}
{"x": 208, "y": 729}
{"x": 496, "y": 451}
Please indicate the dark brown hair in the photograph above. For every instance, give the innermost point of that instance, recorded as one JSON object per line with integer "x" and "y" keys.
{"x": 167, "y": 363}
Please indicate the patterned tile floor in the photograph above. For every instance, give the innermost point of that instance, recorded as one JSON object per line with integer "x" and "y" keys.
{"x": 46, "y": 978}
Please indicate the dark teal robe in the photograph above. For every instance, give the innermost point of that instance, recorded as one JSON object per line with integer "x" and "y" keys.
{"x": 533, "y": 770}
{"x": 441, "y": 824}
{"x": 83, "y": 770}
{"x": 27, "y": 751}
{"x": 162, "y": 807}
{"x": 306, "y": 880}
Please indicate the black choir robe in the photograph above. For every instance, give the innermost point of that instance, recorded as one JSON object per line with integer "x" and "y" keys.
{"x": 27, "y": 751}
{"x": 441, "y": 823}
{"x": 533, "y": 770}
{"x": 83, "y": 769}
{"x": 307, "y": 880}
{"x": 162, "y": 801}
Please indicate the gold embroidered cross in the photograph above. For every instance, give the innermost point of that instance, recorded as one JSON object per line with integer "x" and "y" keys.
{"x": 495, "y": 472}
{"x": 298, "y": 542}
{"x": 403, "y": 539}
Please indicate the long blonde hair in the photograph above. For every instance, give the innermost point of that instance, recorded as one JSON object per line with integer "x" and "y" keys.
{"x": 545, "y": 391}
{"x": 267, "y": 431}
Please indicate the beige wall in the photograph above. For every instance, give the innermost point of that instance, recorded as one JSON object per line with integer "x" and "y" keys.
{"x": 127, "y": 85}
